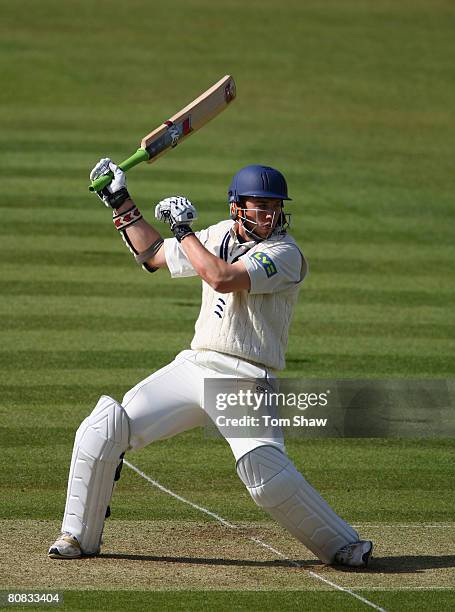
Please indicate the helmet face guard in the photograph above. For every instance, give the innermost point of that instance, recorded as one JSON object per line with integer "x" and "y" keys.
{"x": 238, "y": 213}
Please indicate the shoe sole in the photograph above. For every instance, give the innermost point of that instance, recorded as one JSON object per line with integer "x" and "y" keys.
{"x": 55, "y": 554}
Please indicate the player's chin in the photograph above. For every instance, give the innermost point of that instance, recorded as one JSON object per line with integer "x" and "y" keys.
{"x": 264, "y": 231}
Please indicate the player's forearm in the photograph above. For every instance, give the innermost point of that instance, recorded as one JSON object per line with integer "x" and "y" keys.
{"x": 140, "y": 234}
{"x": 213, "y": 270}
{"x": 180, "y": 213}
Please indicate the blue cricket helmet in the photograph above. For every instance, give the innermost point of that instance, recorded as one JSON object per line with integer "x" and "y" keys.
{"x": 258, "y": 181}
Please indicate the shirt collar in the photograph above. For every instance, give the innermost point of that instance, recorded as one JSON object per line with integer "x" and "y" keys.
{"x": 235, "y": 242}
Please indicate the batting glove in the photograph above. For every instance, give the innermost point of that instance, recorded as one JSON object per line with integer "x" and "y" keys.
{"x": 179, "y": 213}
{"x": 114, "y": 194}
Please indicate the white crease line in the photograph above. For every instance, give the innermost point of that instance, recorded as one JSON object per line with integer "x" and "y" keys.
{"x": 182, "y": 499}
{"x": 256, "y": 540}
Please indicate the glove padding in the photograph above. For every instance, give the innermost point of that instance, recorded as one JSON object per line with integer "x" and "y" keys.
{"x": 176, "y": 211}
{"x": 114, "y": 194}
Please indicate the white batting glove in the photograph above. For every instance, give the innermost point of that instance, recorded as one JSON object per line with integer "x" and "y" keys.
{"x": 114, "y": 194}
{"x": 179, "y": 213}
{"x": 175, "y": 210}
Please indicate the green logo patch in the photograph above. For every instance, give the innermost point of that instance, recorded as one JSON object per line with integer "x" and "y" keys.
{"x": 266, "y": 263}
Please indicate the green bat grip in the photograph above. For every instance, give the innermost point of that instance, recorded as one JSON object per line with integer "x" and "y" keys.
{"x": 138, "y": 157}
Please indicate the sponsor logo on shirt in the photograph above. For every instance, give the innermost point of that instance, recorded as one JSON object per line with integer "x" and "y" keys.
{"x": 266, "y": 263}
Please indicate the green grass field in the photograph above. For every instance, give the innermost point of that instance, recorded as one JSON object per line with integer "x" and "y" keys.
{"x": 353, "y": 100}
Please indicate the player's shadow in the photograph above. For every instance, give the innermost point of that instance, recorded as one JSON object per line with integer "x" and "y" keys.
{"x": 211, "y": 560}
{"x": 406, "y": 564}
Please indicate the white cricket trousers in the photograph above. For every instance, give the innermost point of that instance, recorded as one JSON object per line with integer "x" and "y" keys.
{"x": 171, "y": 400}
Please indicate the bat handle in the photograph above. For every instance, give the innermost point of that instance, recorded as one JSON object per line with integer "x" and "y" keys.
{"x": 138, "y": 157}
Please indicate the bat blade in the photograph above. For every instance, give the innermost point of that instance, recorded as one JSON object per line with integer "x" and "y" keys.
{"x": 190, "y": 119}
{"x": 181, "y": 125}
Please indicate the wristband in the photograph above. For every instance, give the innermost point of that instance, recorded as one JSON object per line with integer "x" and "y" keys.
{"x": 127, "y": 218}
{"x": 115, "y": 200}
{"x": 182, "y": 231}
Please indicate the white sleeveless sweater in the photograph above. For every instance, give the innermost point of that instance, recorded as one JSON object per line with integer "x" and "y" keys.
{"x": 252, "y": 325}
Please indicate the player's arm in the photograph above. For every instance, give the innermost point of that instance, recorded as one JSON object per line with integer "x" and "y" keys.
{"x": 221, "y": 276}
{"x": 140, "y": 237}
{"x": 143, "y": 240}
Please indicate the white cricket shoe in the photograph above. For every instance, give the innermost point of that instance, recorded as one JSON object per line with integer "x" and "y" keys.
{"x": 65, "y": 547}
{"x": 355, "y": 555}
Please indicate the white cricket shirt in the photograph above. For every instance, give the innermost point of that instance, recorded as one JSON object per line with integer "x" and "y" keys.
{"x": 254, "y": 324}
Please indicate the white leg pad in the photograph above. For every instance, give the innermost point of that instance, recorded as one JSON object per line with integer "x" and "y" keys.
{"x": 100, "y": 440}
{"x": 275, "y": 485}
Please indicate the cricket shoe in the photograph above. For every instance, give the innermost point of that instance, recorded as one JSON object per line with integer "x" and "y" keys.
{"x": 65, "y": 547}
{"x": 355, "y": 555}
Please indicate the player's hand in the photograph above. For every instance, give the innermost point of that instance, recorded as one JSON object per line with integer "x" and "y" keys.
{"x": 176, "y": 211}
{"x": 179, "y": 213}
{"x": 114, "y": 194}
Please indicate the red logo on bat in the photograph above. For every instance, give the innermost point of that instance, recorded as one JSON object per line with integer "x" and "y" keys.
{"x": 186, "y": 126}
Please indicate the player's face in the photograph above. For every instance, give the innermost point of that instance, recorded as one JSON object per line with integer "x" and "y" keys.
{"x": 261, "y": 215}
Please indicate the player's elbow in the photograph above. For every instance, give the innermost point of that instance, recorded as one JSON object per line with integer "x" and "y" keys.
{"x": 158, "y": 260}
{"x": 216, "y": 279}
{"x": 216, "y": 283}
{"x": 230, "y": 284}
{"x": 221, "y": 286}
{"x": 228, "y": 278}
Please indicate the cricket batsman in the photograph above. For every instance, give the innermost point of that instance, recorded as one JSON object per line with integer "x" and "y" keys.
{"x": 251, "y": 271}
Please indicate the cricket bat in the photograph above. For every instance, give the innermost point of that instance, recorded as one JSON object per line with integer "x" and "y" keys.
{"x": 181, "y": 125}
